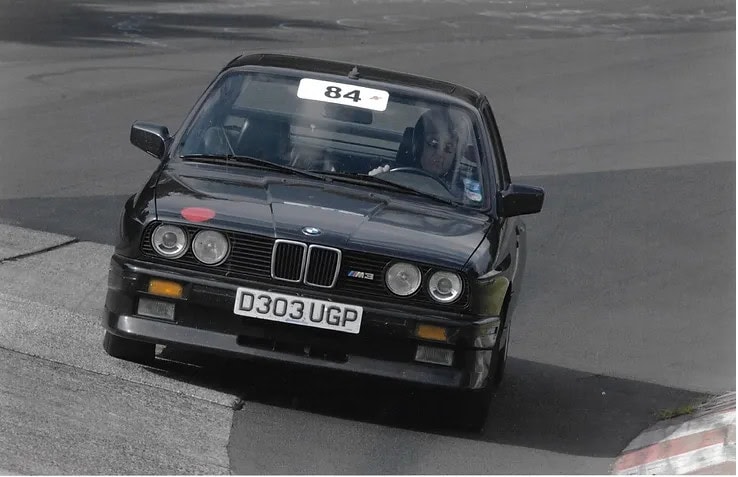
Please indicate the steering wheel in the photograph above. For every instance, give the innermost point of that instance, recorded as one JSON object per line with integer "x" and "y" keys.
{"x": 420, "y": 172}
{"x": 232, "y": 127}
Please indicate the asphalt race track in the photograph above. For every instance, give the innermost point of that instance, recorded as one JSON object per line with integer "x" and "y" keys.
{"x": 623, "y": 110}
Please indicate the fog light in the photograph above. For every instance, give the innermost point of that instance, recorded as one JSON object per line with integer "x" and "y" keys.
{"x": 155, "y": 308}
{"x": 431, "y": 332}
{"x": 426, "y": 354}
{"x": 165, "y": 288}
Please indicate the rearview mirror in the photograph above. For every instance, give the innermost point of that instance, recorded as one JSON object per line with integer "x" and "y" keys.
{"x": 519, "y": 200}
{"x": 151, "y": 138}
{"x": 348, "y": 114}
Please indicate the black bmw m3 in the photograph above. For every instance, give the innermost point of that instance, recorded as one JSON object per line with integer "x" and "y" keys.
{"x": 330, "y": 215}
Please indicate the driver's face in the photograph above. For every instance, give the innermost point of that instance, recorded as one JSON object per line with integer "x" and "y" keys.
{"x": 439, "y": 151}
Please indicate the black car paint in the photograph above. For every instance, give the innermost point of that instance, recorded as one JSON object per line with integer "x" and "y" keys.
{"x": 476, "y": 244}
{"x": 487, "y": 248}
{"x": 365, "y": 220}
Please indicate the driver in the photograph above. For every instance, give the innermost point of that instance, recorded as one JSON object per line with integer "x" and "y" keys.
{"x": 435, "y": 146}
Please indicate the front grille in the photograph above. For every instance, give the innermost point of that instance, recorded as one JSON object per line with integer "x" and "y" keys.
{"x": 315, "y": 265}
{"x": 323, "y": 264}
{"x": 288, "y": 260}
{"x": 251, "y": 259}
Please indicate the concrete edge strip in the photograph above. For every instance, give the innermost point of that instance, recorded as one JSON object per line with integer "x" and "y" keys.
{"x": 700, "y": 424}
{"x": 688, "y": 462}
{"x": 722, "y": 402}
{"x": 39, "y": 252}
{"x": 140, "y": 383}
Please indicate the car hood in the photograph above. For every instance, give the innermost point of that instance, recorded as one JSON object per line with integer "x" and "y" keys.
{"x": 349, "y": 216}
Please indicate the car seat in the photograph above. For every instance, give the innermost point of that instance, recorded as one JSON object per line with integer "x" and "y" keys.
{"x": 405, "y": 156}
{"x": 214, "y": 141}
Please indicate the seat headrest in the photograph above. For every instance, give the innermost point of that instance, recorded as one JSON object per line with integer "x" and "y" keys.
{"x": 265, "y": 138}
{"x": 405, "y": 157}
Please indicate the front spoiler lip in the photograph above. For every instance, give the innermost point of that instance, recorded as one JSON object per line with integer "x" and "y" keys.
{"x": 145, "y": 329}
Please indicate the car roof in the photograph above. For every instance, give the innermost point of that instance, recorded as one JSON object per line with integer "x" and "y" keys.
{"x": 364, "y": 72}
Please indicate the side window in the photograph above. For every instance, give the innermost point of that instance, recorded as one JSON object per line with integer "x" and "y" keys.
{"x": 502, "y": 174}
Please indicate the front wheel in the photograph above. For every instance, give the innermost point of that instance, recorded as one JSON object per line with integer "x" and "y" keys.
{"x": 473, "y": 408}
{"x": 129, "y": 350}
{"x": 474, "y": 405}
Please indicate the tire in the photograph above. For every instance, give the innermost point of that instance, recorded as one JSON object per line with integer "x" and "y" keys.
{"x": 473, "y": 408}
{"x": 501, "y": 362}
{"x": 474, "y": 405}
{"x": 129, "y": 350}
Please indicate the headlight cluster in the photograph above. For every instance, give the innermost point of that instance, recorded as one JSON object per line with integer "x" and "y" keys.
{"x": 169, "y": 241}
{"x": 208, "y": 246}
{"x": 404, "y": 279}
{"x": 444, "y": 287}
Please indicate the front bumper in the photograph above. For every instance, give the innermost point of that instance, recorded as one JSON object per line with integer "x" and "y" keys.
{"x": 385, "y": 347}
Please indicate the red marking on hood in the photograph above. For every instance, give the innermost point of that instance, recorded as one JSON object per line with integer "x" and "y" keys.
{"x": 197, "y": 214}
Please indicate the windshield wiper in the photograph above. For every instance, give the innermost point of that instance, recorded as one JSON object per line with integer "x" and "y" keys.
{"x": 384, "y": 184}
{"x": 253, "y": 161}
{"x": 327, "y": 176}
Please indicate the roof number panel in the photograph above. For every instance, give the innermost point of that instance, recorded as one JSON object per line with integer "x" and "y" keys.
{"x": 345, "y": 94}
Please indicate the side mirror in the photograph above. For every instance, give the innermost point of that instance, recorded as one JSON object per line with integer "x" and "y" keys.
{"x": 519, "y": 200}
{"x": 151, "y": 138}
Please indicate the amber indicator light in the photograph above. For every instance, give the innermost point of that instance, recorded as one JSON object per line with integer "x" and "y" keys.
{"x": 165, "y": 288}
{"x": 431, "y": 332}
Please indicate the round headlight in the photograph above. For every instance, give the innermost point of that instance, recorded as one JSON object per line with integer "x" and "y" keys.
{"x": 169, "y": 241}
{"x": 444, "y": 287}
{"x": 210, "y": 247}
{"x": 403, "y": 279}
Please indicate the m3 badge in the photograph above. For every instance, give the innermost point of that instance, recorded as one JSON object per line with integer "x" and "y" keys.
{"x": 364, "y": 275}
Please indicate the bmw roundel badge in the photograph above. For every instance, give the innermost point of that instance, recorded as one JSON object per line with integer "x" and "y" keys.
{"x": 312, "y": 231}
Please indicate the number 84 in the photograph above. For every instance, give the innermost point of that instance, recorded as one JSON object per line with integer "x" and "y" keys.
{"x": 334, "y": 92}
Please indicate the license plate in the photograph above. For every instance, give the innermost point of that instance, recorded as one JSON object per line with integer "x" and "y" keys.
{"x": 298, "y": 310}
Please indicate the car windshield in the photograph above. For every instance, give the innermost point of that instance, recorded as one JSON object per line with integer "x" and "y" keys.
{"x": 341, "y": 128}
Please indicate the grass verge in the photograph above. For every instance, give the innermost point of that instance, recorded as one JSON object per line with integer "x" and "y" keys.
{"x": 671, "y": 413}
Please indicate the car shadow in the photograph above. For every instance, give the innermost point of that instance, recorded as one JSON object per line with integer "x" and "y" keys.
{"x": 538, "y": 406}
